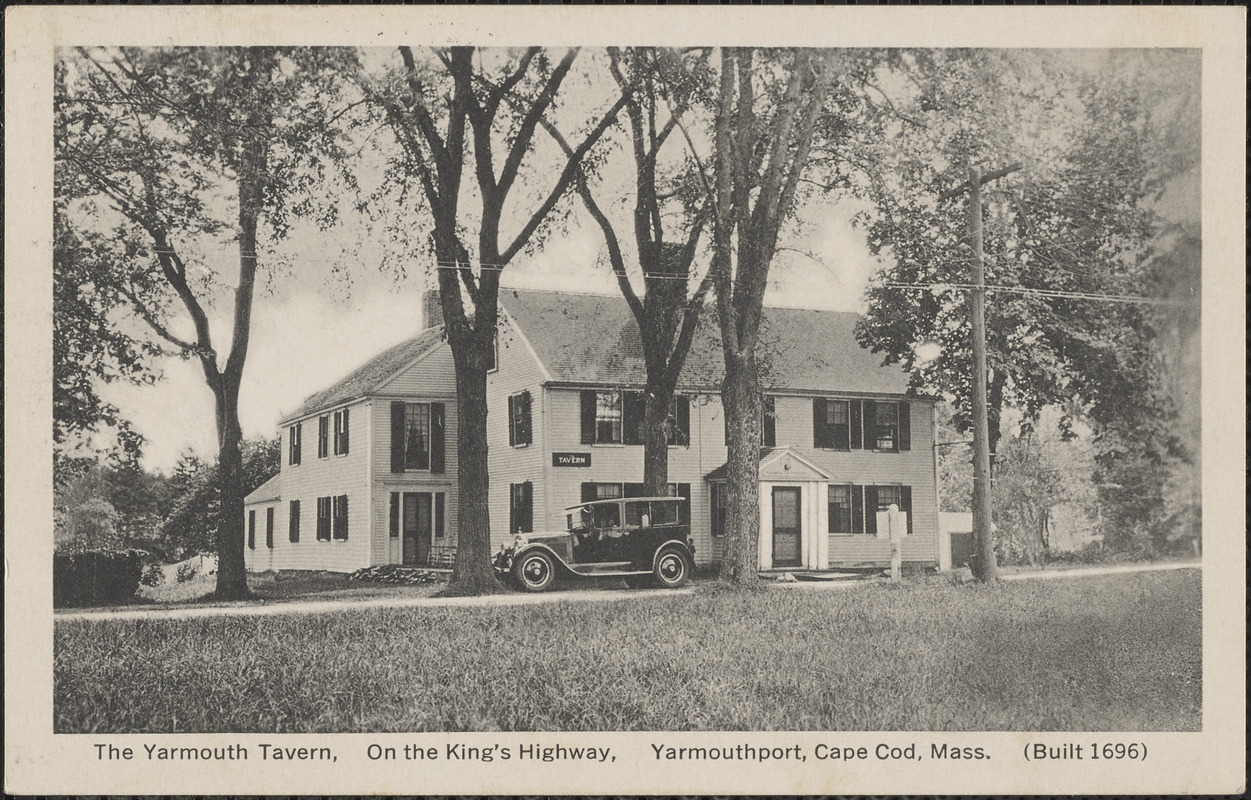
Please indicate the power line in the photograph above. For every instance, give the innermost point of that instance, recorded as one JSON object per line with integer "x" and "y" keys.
{"x": 1024, "y": 290}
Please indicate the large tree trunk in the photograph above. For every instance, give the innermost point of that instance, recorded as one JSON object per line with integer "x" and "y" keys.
{"x": 473, "y": 572}
{"x": 656, "y": 439}
{"x": 741, "y": 401}
{"x": 232, "y": 578}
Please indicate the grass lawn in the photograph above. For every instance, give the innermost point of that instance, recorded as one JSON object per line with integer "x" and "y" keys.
{"x": 1120, "y": 652}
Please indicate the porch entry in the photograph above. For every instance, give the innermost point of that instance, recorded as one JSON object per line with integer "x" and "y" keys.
{"x": 417, "y": 529}
{"x": 786, "y": 527}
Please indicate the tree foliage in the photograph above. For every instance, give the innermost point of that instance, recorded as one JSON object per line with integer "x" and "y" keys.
{"x": 166, "y": 156}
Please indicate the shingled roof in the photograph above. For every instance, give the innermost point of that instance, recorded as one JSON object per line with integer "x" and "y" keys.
{"x": 372, "y": 374}
{"x": 593, "y": 339}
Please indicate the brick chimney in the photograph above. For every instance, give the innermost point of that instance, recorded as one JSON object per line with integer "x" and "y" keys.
{"x": 431, "y": 311}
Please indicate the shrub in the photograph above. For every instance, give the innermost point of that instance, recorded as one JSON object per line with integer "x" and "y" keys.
{"x": 95, "y": 577}
{"x": 153, "y": 575}
{"x": 186, "y": 571}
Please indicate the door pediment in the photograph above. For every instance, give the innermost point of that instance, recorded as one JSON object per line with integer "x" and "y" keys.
{"x": 786, "y": 465}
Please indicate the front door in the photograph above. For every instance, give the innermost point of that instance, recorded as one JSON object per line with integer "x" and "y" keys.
{"x": 417, "y": 527}
{"x": 786, "y": 538}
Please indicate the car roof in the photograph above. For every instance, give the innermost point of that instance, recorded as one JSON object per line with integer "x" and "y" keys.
{"x": 621, "y": 500}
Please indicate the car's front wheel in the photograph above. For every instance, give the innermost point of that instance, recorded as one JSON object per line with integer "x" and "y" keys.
{"x": 534, "y": 571}
{"x": 672, "y": 569}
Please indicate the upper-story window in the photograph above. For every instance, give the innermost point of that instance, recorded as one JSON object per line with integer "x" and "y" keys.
{"x": 608, "y": 418}
{"x": 341, "y": 432}
{"x": 295, "y": 446}
{"x": 616, "y": 417}
{"x": 861, "y": 424}
{"x": 417, "y": 436}
{"x": 519, "y": 419}
{"x": 323, "y": 437}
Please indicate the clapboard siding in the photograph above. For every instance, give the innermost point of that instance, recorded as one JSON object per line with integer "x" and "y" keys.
{"x": 518, "y": 372}
{"x": 432, "y": 374}
{"x": 322, "y": 477}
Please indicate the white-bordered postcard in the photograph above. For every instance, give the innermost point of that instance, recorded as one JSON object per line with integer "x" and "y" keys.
{"x": 616, "y": 400}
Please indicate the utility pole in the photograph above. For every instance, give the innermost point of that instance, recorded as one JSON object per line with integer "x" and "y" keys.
{"x": 987, "y": 568}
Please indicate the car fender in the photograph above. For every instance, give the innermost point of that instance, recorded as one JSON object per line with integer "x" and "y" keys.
{"x": 556, "y": 557}
{"x": 676, "y": 544}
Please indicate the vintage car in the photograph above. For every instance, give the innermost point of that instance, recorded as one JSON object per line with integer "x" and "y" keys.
{"x": 646, "y": 540}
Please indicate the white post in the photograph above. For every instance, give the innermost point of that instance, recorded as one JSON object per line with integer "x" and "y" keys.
{"x": 896, "y": 542}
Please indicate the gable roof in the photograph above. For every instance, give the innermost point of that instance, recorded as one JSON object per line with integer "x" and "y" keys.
{"x": 372, "y": 373}
{"x": 594, "y": 339}
{"x": 268, "y": 491}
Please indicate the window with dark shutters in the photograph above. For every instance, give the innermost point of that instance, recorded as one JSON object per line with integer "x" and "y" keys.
{"x": 521, "y": 508}
{"x": 293, "y": 521}
{"x": 519, "y": 419}
{"x": 393, "y": 517}
{"x": 818, "y": 423}
{"x": 440, "y": 528}
{"x": 831, "y": 423}
{"x": 397, "y": 436}
{"x": 295, "y": 444}
{"x": 341, "y": 432}
{"x": 269, "y": 527}
{"x": 252, "y": 529}
{"x": 437, "y": 435}
{"x": 769, "y": 423}
{"x": 323, "y": 437}
{"x": 839, "y": 508}
{"x": 323, "y": 519}
{"x": 341, "y": 517}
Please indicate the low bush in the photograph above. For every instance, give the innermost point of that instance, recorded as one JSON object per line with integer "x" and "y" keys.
{"x": 395, "y": 574}
{"x": 95, "y": 577}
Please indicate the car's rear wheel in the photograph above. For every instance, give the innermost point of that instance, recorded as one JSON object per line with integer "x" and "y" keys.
{"x": 534, "y": 571}
{"x": 672, "y": 569}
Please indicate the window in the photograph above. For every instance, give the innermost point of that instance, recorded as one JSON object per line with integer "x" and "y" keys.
{"x": 831, "y": 423}
{"x": 323, "y": 519}
{"x": 521, "y": 507}
{"x": 519, "y": 419}
{"x": 252, "y": 529}
{"x": 613, "y": 491}
{"x": 269, "y": 527}
{"x": 608, "y": 418}
{"x": 340, "y": 511}
{"x": 295, "y": 444}
{"x": 341, "y": 432}
{"x": 887, "y": 426}
{"x": 323, "y": 437}
{"x": 416, "y": 436}
{"x": 679, "y": 421}
{"x": 606, "y": 516}
{"x": 293, "y": 521}
{"x": 839, "y": 509}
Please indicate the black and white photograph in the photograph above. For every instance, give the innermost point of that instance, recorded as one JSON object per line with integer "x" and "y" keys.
{"x": 672, "y": 401}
